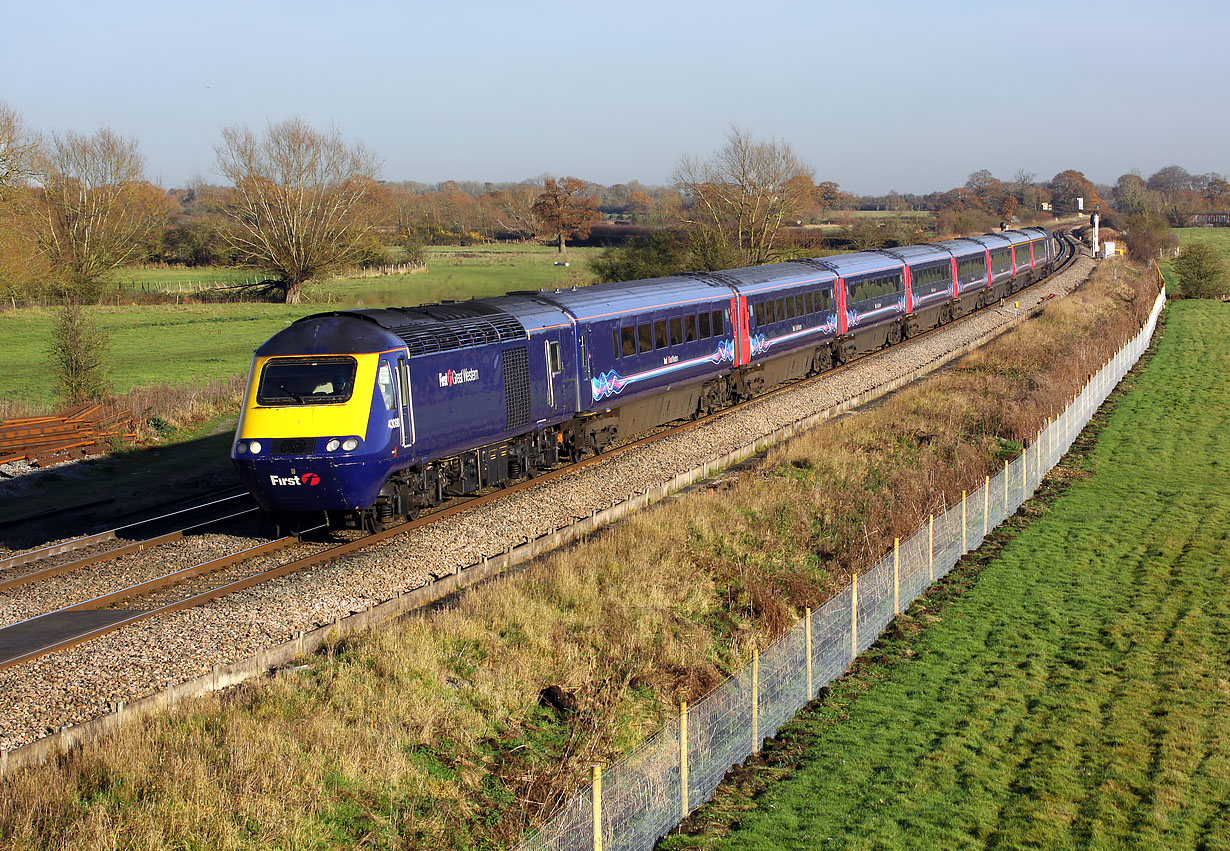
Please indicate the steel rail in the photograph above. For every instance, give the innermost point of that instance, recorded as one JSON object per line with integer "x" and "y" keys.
{"x": 102, "y": 537}
{"x": 118, "y": 552}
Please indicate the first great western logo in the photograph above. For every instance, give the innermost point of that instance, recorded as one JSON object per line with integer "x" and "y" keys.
{"x": 457, "y": 376}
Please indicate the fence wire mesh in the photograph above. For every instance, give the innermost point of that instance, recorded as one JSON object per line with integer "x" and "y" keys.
{"x": 641, "y": 796}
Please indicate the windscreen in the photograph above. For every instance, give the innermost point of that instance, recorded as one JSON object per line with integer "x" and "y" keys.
{"x": 306, "y": 381}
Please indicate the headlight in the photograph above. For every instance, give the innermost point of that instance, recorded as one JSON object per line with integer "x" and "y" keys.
{"x": 241, "y": 448}
{"x": 350, "y": 444}
{"x": 332, "y": 445}
{"x": 254, "y": 447}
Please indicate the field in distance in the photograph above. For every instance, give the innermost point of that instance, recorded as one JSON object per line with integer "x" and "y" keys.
{"x": 193, "y": 343}
{"x": 1075, "y": 695}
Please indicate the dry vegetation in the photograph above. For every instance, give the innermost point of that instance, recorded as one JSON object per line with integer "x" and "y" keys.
{"x": 430, "y": 733}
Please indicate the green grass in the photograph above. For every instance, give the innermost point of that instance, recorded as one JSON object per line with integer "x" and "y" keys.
{"x": 186, "y": 344}
{"x": 150, "y": 344}
{"x": 1076, "y": 694}
{"x": 1218, "y": 238}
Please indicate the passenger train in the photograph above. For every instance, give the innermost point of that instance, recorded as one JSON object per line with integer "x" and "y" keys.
{"x": 372, "y": 415}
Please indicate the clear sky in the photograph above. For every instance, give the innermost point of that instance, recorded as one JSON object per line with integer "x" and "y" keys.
{"x": 911, "y": 96}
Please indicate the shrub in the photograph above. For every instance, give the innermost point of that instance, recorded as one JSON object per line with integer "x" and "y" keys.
{"x": 1202, "y": 273}
{"x": 655, "y": 255}
{"x": 78, "y": 352}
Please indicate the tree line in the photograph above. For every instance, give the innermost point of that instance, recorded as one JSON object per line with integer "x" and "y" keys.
{"x": 298, "y": 203}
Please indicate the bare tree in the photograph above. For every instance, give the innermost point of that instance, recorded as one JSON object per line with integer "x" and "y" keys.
{"x": 514, "y": 209}
{"x": 745, "y": 192}
{"x": 18, "y": 147}
{"x": 95, "y": 210}
{"x": 298, "y": 207}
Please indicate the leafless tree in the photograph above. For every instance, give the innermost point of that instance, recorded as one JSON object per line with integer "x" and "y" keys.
{"x": 93, "y": 208}
{"x": 514, "y": 209}
{"x": 18, "y": 147}
{"x": 297, "y": 209}
{"x": 745, "y": 192}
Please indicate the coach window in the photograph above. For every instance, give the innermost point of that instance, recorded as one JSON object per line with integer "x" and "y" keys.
{"x": 760, "y": 314}
{"x": 615, "y": 341}
{"x": 676, "y": 331}
{"x": 645, "y": 335}
{"x": 798, "y": 305}
{"x": 781, "y": 309}
{"x": 689, "y": 328}
{"x": 809, "y": 302}
{"x": 770, "y": 312}
{"x": 659, "y": 334}
{"x": 719, "y": 327}
{"x": 628, "y": 335}
{"x": 704, "y": 325}
{"x": 790, "y": 311}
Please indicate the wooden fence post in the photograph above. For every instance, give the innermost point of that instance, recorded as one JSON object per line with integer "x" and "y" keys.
{"x": 755, "y": 701}
{"x": 896, "y": 576}
{"x": 964, "y": 545}
{"x": 597, "y": 807}
{"x": 854, "y": 618}
{"x": 683, "y": 758}
{"x": 986, "y": 507}
{"x": 810, "y": 691}
{"x": 931, "y": 546}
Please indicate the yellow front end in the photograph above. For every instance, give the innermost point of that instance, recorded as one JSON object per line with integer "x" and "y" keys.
{"x": 351, "y": 417}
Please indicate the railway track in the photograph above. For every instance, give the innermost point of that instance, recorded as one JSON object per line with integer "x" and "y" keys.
{"x": 143, "y": 534}
{"x": 174, "y": 591}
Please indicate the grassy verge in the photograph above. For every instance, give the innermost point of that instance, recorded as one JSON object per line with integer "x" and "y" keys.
{"x": 1076, "y": 695}
{"x": 430, "y": 733}
{"x": 1218, "y": 238}
{"x": 187, "y": 345}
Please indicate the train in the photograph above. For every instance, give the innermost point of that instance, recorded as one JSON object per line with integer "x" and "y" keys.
{"x": 362, "y": 417}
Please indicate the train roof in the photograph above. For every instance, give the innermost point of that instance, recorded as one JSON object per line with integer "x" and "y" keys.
{"x": 424, "y": 329}
{"x": 862, "y": 263}
{"x": 329, "y": 334}
{"x": 993, "y": 240}
{"x": 914, "y": 254}
{"x": 962, "y": 246}
{"x": 617, "y": 299}
{"x": 534, "y": 312}
{"x": 750, "y": 280}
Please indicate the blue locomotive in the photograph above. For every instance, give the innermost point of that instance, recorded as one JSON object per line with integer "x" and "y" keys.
{"x": 373, "y": 415}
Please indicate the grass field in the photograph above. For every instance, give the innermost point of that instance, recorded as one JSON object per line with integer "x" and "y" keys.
{"x": 1218, "y": 238}
{"x": 186, "y": 344}
{"x": 1076, "y": 694}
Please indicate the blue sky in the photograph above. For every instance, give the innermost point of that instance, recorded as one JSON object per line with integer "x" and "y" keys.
{"x": 876, "y": 96}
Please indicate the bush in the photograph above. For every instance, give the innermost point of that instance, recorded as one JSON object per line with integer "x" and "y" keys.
{"x": 78, "y": 352}
{"x": 655, "y": 255}
{"x": 1201, "y": 271}
{"x": 1147, "y": 235}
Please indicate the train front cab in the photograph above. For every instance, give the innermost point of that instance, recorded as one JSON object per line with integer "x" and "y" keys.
{"x": 323, "y": 418}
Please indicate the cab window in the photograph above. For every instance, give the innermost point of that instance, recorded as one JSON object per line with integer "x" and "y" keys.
{"x": 306, "y": 381}
{"x": 384, "y": 380}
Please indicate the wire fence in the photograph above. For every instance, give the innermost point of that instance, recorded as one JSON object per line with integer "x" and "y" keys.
{"x": 639, "y": 799}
